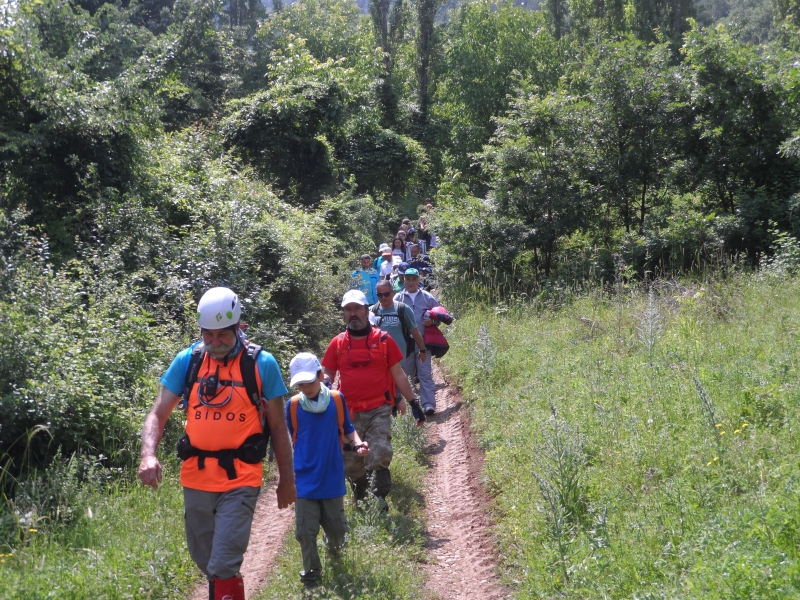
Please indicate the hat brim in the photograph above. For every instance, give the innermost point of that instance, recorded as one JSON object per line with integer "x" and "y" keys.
{"x": 303, "y": 377}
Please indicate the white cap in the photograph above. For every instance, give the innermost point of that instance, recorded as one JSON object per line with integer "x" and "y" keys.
{"x": 356, "y": 296}
{"x": 384, "y": 247}
{"x": 304, "y": 368}
{"x": 218, "y": 308}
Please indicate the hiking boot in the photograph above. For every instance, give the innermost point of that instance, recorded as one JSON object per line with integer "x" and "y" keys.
{"x": 429, "y": 411}
{"x": 310, "y": 579}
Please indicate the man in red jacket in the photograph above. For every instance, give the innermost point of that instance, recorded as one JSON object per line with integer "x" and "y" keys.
{"x": 368, "y": 363}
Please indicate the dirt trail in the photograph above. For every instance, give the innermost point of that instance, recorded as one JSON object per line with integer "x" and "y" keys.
{"x": 462, "y": 552}
{"x": 269, "y": 528}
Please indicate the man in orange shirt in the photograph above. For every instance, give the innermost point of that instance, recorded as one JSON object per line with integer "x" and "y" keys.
{"x": 224, "y": 443}
{"x": 368, "y": 362}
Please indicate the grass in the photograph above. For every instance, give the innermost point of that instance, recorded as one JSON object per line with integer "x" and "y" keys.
{"x": 641, "y": 445}
{"x": 128, "y": 542}
{"x": 383, "y": 555}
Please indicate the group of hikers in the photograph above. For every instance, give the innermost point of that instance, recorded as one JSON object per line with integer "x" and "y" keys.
{"x": 233, "y": 392}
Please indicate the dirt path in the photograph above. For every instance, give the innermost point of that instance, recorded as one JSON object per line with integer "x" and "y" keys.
{"x": 463, "y": 562}
{"x": 269, "y": 528}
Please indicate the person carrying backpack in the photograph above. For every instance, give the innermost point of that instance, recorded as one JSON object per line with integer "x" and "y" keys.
{"x": 368, "y": 363}
{"x": 232, "y": 392}
{"x": 419, "y": 301}
{"x": 320, "y": 427}
{"x": 396, "y": 319}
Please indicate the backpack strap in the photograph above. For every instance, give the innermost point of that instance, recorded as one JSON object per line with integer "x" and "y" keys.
{"x": 337, "y": 399}
{"x": 248, "y": 366}
{"x": 294, "y": 403}
{"x": 195, "y": 360}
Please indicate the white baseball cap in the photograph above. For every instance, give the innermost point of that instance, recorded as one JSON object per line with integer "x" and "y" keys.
{"x": 383, "y": 247}
{"x": 304, "y": 368}
{"x": 356, "y": 296}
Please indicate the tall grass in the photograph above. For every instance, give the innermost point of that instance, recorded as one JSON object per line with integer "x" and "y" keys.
{"x": 679, "y": 402}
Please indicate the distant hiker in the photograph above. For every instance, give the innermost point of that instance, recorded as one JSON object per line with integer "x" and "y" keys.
{"x": 365, "y": 278}
{"x": 319, "y": 424}
{"x": 398, "y": 282}
{"x": 423, "y": 237}
{"x": 396, "y": 319}
{"x": 399, "y": 248}
{"x": 419, "y": 261}
{"x": 368, "y": 363}
{"x": 229, "y": 388}
{"x": 387, "y": 266}
{"x": 381, "y": 256}
{"x": 420, "y": 301}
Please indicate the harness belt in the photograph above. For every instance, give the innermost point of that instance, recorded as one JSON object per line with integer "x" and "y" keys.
{"x": 252, "y": 451}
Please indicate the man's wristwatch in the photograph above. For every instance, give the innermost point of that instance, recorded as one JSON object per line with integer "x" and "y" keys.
{"x": 423, "y": 350}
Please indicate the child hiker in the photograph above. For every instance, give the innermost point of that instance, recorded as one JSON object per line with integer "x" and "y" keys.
{"x": 319, "y": 424}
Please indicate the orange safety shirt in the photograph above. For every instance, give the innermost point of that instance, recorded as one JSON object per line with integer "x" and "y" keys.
{"x": 221, "y": 428}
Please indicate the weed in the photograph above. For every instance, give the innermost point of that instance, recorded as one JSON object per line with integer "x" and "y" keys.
{"x": 485, "y": 352}
{"x": 559, "y": 474}
{"x": 651, "y": 326}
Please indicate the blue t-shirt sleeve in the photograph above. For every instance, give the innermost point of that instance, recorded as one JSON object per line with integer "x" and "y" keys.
{"x": 348, "y": 425}
{"x": 175, "y": 377}
{"x": 271, "y": 380}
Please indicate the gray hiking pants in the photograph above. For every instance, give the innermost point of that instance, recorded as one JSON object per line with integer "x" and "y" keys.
{"x": 427, "y": 388}
{"x": 218, "y": 528}
{"x": 309, "y": 515}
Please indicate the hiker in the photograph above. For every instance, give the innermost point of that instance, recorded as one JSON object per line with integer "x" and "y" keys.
{"x": 423, "y": 236}
{"x": 419, "y": 261}
{"x": 398, "y": 284}
{"x": 387, "y": 266}
{"x": 224, "y": 444}
{"x": 365, "y": 278}
{"x": 319, "y": 423}
{"x": 381, "y": 256}
{"x": 399, "y": 248}
{"x": 420, "y": 301}
{"x": 368, "y": 363}
{"x": 396, "y": 319}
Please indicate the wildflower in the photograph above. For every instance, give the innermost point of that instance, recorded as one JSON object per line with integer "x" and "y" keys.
{"x": 737, "y": 431}
{"x": 722, "y": 433}
{"x": 744, "y": 425}
{"x": 716, "y": 458}
{"x": 718, "y": 425}
{"x": 709, "y": 463}
{"x": 32, "y": 530}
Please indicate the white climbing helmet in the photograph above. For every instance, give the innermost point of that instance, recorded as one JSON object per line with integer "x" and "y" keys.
{"x": 218, "y": 308}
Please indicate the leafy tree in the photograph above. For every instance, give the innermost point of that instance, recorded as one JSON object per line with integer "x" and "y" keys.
{"x": 487, "y": 51}
{"x": 533, "y": 165}
{"x": 631, "y": 127}
{"x": 738, "y": 121}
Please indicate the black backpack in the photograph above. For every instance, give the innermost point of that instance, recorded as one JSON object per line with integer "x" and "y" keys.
{"x": 401, "y": 314}
{"x": 254, "y": 449}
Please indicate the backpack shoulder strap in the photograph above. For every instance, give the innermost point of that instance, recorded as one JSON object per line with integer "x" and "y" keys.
{"x": 401, "y": 314}
{"x": 248, "y": 365}
{"x": 294, "y": 402}
{"x": 337, "y": 399}
{"x": 195, "y": 360}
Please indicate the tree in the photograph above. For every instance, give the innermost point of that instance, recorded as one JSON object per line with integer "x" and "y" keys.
{"x": 533, "y": 164}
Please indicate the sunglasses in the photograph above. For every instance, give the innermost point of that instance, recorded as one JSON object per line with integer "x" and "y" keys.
{"x": 357, "y": 364}
{"x": 384, "y": 294}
